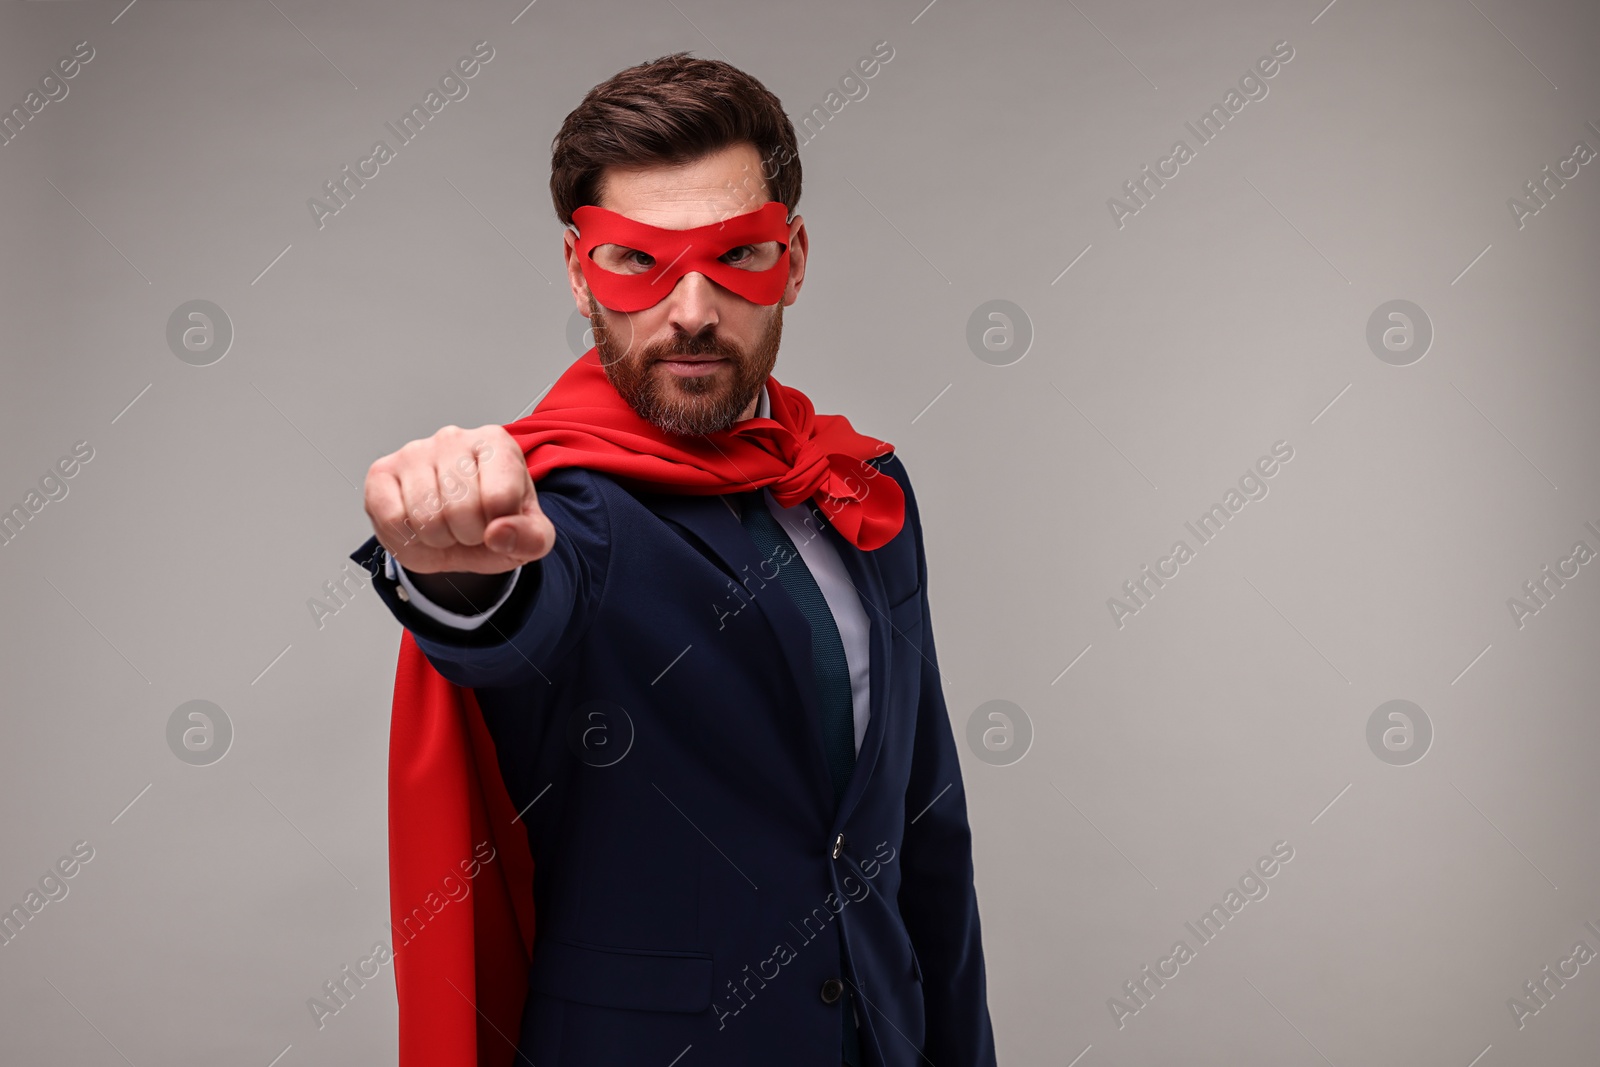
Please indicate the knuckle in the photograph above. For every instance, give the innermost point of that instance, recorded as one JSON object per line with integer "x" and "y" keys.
{"x": 454, "y": 513}
{"x": 452, "y": 485}
{"x": 427, "y": 504}
{"x": 501, "y": 499}
{"x": 425, "y": 521}
{"x": 385, "y": 514}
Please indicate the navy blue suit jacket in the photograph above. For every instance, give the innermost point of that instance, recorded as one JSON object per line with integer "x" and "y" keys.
{"x": 653, "y": 707}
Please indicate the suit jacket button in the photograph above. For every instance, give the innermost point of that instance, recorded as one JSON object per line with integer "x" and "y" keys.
{"x": 831, "y": 989}
{"x": 838, "y": 846}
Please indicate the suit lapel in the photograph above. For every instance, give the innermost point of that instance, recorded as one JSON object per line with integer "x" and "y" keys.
{"x": 713, "y": 522}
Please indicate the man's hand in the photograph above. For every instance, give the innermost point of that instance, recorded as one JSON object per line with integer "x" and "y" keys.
{"x": 459, "y": 501}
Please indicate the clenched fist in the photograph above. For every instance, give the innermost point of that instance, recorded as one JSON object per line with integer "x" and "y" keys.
{"x": 459, "y": 501}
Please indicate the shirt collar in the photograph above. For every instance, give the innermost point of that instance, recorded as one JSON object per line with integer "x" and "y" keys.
{"x": 763, "y": 406}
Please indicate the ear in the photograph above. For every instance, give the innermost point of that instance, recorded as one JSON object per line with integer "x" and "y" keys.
{"x": 799, "y": 248}
{"x": 580, "y": 288}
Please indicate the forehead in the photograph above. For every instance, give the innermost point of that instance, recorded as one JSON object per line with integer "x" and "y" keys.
{"x": 685, "y": 195}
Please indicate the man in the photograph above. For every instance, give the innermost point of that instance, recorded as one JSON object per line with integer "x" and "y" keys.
{"x": 702, "y": 648}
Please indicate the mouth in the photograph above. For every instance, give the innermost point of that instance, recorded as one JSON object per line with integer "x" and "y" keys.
{"x": 693, "y": 365}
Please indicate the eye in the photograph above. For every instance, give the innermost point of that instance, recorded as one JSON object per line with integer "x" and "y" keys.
{"x": 756, "y": 257}
{"x": 620, "y": 259}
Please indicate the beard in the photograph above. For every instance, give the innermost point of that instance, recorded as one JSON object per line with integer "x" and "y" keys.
{"x": 688, "y": 406}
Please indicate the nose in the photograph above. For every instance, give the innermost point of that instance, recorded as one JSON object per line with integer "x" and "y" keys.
{"x": 692, "y": 304}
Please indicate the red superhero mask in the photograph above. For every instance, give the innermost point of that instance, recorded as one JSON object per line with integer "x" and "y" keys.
{"x": 678, "y": 252}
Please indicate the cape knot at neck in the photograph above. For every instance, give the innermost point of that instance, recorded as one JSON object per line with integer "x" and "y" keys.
{"x": 816, "y": 472}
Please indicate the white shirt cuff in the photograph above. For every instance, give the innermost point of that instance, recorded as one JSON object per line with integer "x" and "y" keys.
{"x": 433, "y": 611}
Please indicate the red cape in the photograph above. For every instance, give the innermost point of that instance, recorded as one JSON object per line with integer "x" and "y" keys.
{"x": 460, "y": 870}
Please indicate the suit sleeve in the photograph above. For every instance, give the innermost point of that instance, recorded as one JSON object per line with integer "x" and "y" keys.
{"x": 550, "y": 604}
{"x": 937, "y": 898}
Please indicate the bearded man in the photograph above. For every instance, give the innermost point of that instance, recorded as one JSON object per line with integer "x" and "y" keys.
{"x": 672, "y": 779}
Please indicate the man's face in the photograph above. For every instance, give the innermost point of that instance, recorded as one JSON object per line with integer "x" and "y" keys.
{"x": 694, "y": 363}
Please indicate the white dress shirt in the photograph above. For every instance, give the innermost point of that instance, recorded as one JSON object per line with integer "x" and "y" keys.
{"x": 820, "y": 557}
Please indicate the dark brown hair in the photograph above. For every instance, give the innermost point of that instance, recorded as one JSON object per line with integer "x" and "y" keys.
{"x": 671, "y": 110}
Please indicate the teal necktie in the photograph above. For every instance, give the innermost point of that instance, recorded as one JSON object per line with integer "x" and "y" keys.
{"x": 827, "y": 662}
{"x": 827, "y": 647}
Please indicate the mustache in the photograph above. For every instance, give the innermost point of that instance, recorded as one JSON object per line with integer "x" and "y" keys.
{"x": 710, "y": 345}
